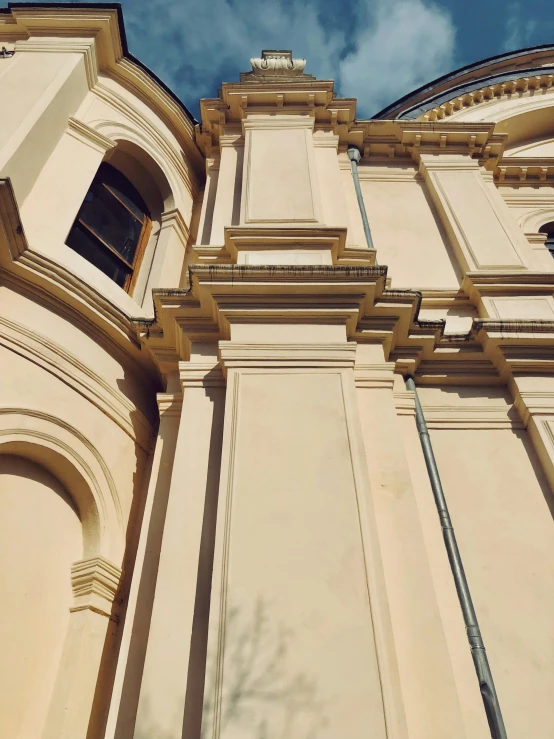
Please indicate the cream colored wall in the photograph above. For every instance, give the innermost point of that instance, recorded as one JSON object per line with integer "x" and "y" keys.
{"x": 40, "y": 538}
{"x": 76, "y": 403}
{"x": 40, "y": 90}
{"x": 501, "y": 508}
{"x": 326, "y": 557}
{"x": 51, "y": 159}
{"x": 405, "y": 229}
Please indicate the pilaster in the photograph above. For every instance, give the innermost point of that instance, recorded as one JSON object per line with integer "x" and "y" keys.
{"x": 92, "y": 623}
{"x": 171, "y": 687}
{"x": 411, "y": 618}
{"x": 169, "y": 255}
{"x": 534, "y": 400}
{"x": 483, "y": 232}
{"x": 134, "y": 639}
{"x": 293, "y": 591}
{"x": 226, "y": 209}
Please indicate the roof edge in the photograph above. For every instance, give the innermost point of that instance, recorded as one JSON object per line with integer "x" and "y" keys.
{"x": 399, "y": 106}
{"x": 122, "y": 34}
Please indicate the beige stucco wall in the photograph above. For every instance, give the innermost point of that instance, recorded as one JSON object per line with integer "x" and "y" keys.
{"x": 37, "y": 589}
{"x": 405, "y": 228}
{"x": 214, "y": 495}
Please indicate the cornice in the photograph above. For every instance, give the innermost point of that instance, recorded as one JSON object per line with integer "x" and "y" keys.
{"x": 84, "y": 46}
{"x": 174, "y": 219}
{"x": 170, "y": 404}
{"x": 527, "y": 196}
{"x": 242, "y": 242}
{"x": 522, "y": 86}
{"x": 200, "y": 375}
{"x": 529, "y": 170}
{"x": 386, "y": 141}
{"x": 235, "y": 355}
{"x": 95, "y": 582}
{"x": 312, "y": 98}
{"x": 89, "y": 136}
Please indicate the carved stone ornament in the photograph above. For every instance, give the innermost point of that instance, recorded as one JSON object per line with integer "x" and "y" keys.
{"x": 275, "y": 64}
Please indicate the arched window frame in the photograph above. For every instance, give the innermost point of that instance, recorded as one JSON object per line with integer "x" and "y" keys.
{"x": 110, "y": 189}
{"x": 548, "y": 229}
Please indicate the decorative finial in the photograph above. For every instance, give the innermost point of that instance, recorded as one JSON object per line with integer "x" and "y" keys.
{"x": 276, "y": 65}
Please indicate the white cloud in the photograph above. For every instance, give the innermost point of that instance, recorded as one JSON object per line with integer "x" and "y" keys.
{"x": 408, "y": 43}
{"x": 519, "y": 32}
{"x": 389, "y": 47}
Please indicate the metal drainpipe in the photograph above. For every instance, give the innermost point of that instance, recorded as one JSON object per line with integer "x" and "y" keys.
{"x": 480, "y": 660}
{"x": 355, "y": 156}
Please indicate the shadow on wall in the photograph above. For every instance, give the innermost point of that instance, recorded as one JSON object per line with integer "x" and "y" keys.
{"x": 262, "y": 698}
{"x": 128, "y": 385}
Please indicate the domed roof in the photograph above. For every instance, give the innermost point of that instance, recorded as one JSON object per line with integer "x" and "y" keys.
{"x": 496, "y": 70}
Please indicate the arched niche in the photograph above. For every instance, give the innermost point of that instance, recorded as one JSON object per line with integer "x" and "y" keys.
{"x": 69, "y": 456}
{"x": 40, "y": 538}
{"x": 162, "y": 179}
{"x": 157, "y": 158}
{"x": 532, "y": 221}
{"x": 73, "y": 475}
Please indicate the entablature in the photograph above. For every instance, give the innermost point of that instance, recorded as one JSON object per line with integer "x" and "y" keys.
{"x": 529, "y": 170}
{"x": 387, "y": 140}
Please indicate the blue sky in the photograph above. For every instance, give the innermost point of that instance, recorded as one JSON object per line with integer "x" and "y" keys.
{"x": 375, "y": 50}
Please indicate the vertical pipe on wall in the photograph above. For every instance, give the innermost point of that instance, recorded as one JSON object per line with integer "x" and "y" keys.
{"x": 480, "y": 659}
{"x": 355, "y": 156}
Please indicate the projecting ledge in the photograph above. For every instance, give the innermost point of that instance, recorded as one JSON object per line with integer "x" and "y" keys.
{"x": 283, "y": 245}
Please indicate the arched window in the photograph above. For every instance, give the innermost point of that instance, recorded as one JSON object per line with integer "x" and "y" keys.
{"x": 112, "y": 227}
{"x": 548, "y": 229}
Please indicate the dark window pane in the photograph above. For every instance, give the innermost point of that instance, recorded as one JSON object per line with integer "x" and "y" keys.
{"x": 118, "y": 192}
{"x": 123, "y": 189}
{"x": 84, "y": 243}
{"x": 548, "y": 229}
{"x": 111, "y": 221}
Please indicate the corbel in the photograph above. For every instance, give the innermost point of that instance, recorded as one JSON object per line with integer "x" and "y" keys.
{"x": 95, "y": 582}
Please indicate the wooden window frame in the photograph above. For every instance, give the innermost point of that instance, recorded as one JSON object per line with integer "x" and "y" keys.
{"x": 131, "y": 279}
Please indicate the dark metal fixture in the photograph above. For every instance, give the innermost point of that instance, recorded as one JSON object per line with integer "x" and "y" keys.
{"x": 355, "y": 156}
{"x": 480, "y": 659}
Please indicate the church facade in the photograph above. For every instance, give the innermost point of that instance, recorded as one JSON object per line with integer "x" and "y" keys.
{"x": 255, "y": 372}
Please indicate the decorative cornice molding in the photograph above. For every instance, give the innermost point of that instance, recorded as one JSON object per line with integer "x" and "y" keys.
{"x": 200, "y": 375}
{"x": 95, "y": 582}
{"x": 383, "y": 142}
{"x": 529, "y": 170}
{"x": 533, "y": 403}
{"x": 174, "y": 219}
{"x": 235, "y": 355}
{"x": 327, "y": 245}
{"x": 496, "y": 284}
{"x": 374, "y": 376}
{"x": 88, "y": 135}
{"x": 502, "y": 90}
{"x": 84, "y": 46}
{"x": 170, "y": 404}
